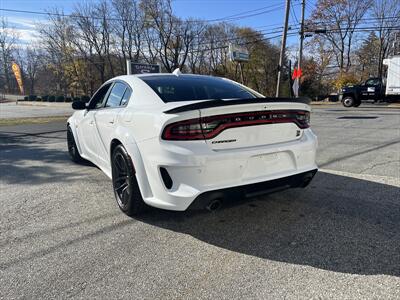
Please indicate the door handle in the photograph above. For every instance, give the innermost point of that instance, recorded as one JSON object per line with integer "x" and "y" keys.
{"x": 111, "y": 122}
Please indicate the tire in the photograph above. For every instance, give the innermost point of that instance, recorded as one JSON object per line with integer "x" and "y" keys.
{"x": 348, "y": 101}
{"x": 125, "y": 185}
{"x": 357, "y": 103}
{"x": 72, "y": 148}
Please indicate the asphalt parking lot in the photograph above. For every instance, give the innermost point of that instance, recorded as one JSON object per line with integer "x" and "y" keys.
{"x": 62, "y": 234}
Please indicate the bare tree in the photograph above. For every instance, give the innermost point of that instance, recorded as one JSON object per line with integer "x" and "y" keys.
{"x": 87, "y": 48}
{"x": 33, "y": 58}
{"x": 168, "y": 36}
{"x": 57, "y": 38}
{"x": 129, "y": 26}
{"x": 217, "y": 37}
{"x": 340, "y": 18}
{"x": 8, "y": 41}
{"x": 387, "y": 14}
{"x": 94, "y": 37}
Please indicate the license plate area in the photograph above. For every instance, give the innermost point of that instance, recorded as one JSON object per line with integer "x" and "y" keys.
{"x": 268, "y": 164}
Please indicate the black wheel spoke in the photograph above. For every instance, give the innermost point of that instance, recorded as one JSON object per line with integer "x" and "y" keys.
{"x": 122, "y": 179}
{"x": 122, "y": 187}
{"x": 125, "y": 195}
{"x": 120, "y": 164}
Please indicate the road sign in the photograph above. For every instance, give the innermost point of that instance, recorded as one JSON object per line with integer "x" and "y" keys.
{"x": 137, "y": 68}
{"x": 237, "y": 53}
{"x": 297, "y": 73}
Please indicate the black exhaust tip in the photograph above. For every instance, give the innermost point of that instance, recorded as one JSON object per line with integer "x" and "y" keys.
{"x": 214, "y": 205}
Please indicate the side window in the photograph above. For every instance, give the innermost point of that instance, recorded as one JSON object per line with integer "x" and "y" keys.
{"x": 126, "y": 97}
{"x": 116, "y": 94}
{"x": 99, "y": 97}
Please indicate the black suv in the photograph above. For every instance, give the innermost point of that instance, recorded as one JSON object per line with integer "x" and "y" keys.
{"x": 371, "y": 89}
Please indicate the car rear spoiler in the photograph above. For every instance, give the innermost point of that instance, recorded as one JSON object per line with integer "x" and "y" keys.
{"x": 218, "y": 102}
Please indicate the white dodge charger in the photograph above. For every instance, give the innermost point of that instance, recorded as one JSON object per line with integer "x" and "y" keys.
{"x": 177, "y": 141}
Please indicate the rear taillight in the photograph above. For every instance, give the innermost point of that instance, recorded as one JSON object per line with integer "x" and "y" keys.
{"x": 210, "y": 127}
{"x": 184, "y": 130}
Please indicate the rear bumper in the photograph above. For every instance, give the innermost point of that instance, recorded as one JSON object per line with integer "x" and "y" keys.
{"x": 195, "y": 169}
{"x": 253, "y": 190}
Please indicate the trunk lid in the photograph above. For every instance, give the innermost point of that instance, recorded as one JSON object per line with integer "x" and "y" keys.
{"x": 235, "y": 124}
{"x": 246, "y": 131}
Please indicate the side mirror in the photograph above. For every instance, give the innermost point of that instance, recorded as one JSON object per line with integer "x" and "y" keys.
{"x": 78, "y": 105}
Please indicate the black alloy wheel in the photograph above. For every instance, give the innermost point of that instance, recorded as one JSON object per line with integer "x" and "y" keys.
{"x": 126, "y": 188}
{"x": 72, "y": 148}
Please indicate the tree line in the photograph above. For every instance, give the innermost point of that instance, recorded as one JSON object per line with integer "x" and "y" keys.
{"x": 75, "y": 53}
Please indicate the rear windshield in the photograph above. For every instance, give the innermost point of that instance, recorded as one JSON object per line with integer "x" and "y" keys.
{"x": 187, "y": 88}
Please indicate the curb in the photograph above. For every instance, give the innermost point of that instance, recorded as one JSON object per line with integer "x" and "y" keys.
{"x": 324, "y": 103}
{"x": 395, "y": 105}
{"x": 47, "y": 104}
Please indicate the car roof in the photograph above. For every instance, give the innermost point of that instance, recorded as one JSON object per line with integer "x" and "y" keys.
{"x": 155, "y": 75}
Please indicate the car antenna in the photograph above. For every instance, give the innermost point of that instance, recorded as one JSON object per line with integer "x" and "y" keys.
{"x": 177, "y": 72}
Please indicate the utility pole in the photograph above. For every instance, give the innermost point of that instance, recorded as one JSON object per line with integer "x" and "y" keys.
{"x": 241, "y": 72}
{"x": 283, "y": 46}
{"x": 128, "y": 67}
{"x": 299, "y": 61}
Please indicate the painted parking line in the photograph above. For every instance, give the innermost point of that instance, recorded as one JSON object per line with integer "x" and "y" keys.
{"x": 388, "y": 180}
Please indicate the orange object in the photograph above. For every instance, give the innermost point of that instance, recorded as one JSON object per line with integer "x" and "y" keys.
{"x": 18, "y": 76}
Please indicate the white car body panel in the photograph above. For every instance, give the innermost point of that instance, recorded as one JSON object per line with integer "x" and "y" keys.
{"x": 260, "y": 153}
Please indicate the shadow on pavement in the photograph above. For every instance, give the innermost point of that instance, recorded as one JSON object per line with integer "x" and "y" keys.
{"x": 338, "y": 224}
{"x": 33, "y": 159}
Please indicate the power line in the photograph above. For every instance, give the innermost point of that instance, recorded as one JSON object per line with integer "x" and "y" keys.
{"x": 263, "y": 32}
{"x": 293, "y": 14}
{"x": 333, "y": 30}
{"x": 247, "y": 16}
{"x": 240, "y": 44}
{"x": 76, "y": 16}
{"x": 255, "y": 34}
{"x": 360, "y": 20}
{"x": 309, "y": 8}
{"x": 245, "y": 12}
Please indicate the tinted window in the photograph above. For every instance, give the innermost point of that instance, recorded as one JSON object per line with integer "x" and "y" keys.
{"x": 126, "y": 97}
{"x": 116, "y": 94}
{"x": 372, "y": 82}
{"x": 98, "y": 98}
{"x": 185, "y": 88}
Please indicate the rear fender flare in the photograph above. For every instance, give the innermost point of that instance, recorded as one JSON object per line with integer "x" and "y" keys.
{"x": 124, "y": 135}
{"x": 72, "y": 124}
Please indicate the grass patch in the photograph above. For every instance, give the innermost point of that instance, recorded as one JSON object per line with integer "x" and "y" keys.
{"x": 33, "y": 120}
